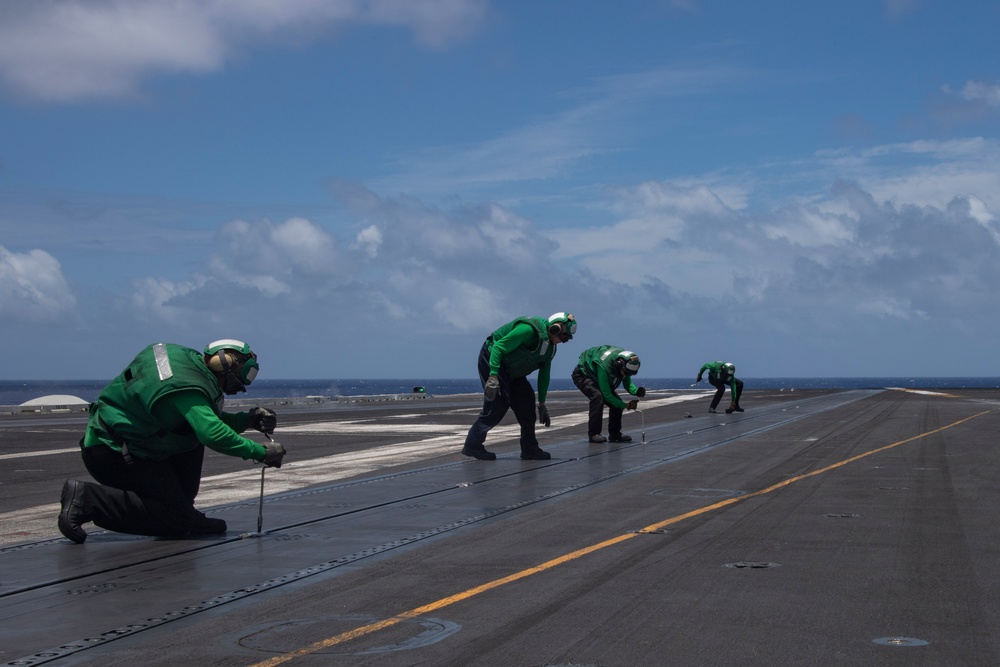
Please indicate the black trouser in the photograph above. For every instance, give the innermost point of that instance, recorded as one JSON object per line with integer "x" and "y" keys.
{"x": 515, "y": 394}
{"x": 144, "y": 497}
{"x": 593, "y": 393}
{"x": 720, "y": 389}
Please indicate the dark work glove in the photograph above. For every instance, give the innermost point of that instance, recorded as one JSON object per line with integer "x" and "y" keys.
{"x": 640, "y": 392}
{"x": 632, "y": 405}
{"x": 543, "y": 415}
{"x": 273, "y": 455}
{"x": 263, "y": 420}
{"x": 492, "y": 387}
{"x": 697, "y": 379}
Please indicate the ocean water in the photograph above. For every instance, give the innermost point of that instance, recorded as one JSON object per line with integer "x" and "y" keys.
{"x": 15, "y": 392}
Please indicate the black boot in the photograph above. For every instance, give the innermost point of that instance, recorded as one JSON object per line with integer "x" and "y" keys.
{"x": 210, "y": 527}
{"x": 479, "y": 453}
{"x": 535, "y": 453}
{"x": 73, "y": 512}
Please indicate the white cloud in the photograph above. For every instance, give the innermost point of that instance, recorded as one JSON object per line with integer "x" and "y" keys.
{"x": 302, "y": 244}
{"x": 696, "y": 199}
{"x": 267, "y": 255}
{"x": 622, "y": 240}
{"x": 61, "y": 50}
{"x": 910, "y": 237}
{"x": 680, "y": 235}
{"x": 267, "y": 258}
{"x": 667, "y": 255}
{"x": 68, "y": 50}
{"x": 466, "y": 306}
{"x": 924, "y": 173}
{"x": 369, "y": 239}
{"x": 155, "y": 298}
{"x": 454, "y": 271}
{"x": 32, "y": 287}
{"x": 408, "y": 231}
{"x": 804, "y": 227}
{"x": 268, "y": 285}
{"x": 510, "y": 235}
{"x": 980, "y": 212}
{"x": 980, "y": 91}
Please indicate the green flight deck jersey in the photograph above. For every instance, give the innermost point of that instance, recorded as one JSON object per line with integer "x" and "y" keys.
{"x": 714, "y": 369}
{"x": 597, "y": 363}
{"x": 167, "y": 402}
{"x": 522, "y": 346}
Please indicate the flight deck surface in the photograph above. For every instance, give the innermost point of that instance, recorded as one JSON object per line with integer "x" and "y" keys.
{"x": 816, "y": 528}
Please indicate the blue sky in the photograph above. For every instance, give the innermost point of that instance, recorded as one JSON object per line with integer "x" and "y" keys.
{"x": 367, "y": 188}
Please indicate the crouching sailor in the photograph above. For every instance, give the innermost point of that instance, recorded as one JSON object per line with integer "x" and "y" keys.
{"x": 722, "y": 374}
{"x": 599, "y": 372}
{"x": 146, "y": 437}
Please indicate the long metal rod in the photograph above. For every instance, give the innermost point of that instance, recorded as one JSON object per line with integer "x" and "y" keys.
{"x": 260, "y": 505}
{"x": 643, "y": 418}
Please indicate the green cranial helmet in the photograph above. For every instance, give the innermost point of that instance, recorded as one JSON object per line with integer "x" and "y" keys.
{"x": 728, "y": 368}
{"x": 627, "y": 363}
{"x": 233, "y": 363}
{"x": 562, "y": 325}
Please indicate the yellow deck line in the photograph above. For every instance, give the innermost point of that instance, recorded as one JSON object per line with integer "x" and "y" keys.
{"x": 579, "y": 553}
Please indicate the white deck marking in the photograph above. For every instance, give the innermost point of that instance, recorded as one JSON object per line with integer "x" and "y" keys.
{"x": 45, "y": 452}
{"x": 921, "y": 391}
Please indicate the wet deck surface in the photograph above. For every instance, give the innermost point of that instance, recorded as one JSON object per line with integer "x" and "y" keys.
{"x": 817, "y": 528}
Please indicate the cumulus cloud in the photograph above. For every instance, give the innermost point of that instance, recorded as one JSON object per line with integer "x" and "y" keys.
{"x": 678, "y": 234}
{"x": 253, "y": 262}
{"x": 392, "y": 260}
{"x": 807, "y": 227}
{"x": 271, "y": 257}
{"x": 466, "y": 306}
{"x": 672, "y": 258}
{"x": 32, "y": 287}
{"x": 300, "y": 241}
{"x": 61, "y": 50}
{"x": 851, "y": 252}
{"x": 975, "y": 101}
{"x": 455, "y": 269}
{"x": 981, "y": 91}
{"x": 904, "y": 245}
{"x": 511, "y": 236}
{"x": 369, "y": 239}
{"x": 469, "y": 239}
{"x": 977, "y": 210}
{"x": 157, "y": 298}
{"x": 903, "y": 233}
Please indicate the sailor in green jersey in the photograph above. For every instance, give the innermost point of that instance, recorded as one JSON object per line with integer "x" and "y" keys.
{"x": 508, "y": 356}
{"x": 720, "y": 375}
{"x": 599, "y": 372}
{"x": 146, "y": 438}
